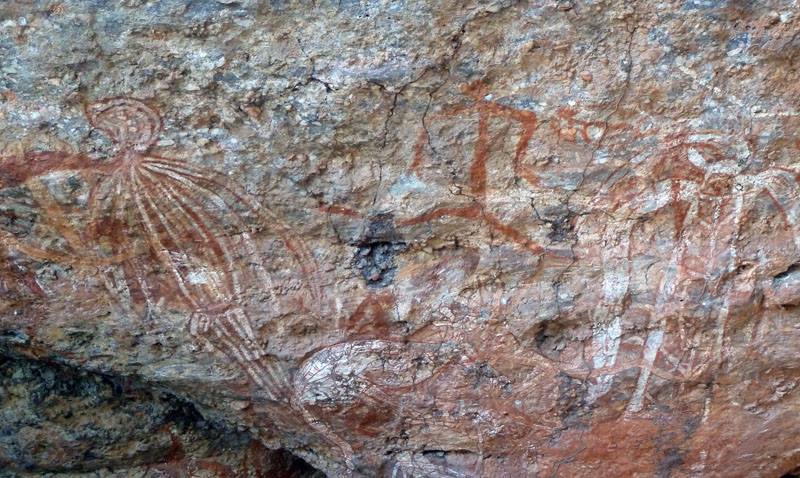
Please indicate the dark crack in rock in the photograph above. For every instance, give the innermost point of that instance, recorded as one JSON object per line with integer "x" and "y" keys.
{"x": 375, "y": 254}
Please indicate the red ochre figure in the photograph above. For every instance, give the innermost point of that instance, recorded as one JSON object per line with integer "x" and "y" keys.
{"x": 146, "y": 211}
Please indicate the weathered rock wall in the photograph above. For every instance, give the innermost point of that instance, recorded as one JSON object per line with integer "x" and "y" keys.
{"x": 459, "y": 238}
{"x": 59, "y": 421}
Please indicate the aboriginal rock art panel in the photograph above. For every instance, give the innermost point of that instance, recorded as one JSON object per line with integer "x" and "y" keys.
{"x": 510, "y": 155}
{"x": 477, "y": 181}
{"x": 670, "y": 208}
{"x": 460, "y": 371}
{"x": 700, "y": 187}
{"x": 706, "y": 181}
{"x": 164, "y": 234}
{"x": 663, "y": 223}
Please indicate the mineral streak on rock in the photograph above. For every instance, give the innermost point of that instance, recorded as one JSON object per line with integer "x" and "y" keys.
{"x": 401, "y": 239}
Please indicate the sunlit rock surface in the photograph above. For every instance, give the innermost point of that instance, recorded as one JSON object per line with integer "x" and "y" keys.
{"x": 401, "y": 239}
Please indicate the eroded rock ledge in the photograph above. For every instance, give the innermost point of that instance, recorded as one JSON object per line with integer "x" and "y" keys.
{"x": 65, "y": 422}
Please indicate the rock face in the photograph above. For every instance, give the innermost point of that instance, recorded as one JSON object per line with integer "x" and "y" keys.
{"x": 65, "y": 422}
{"x": 440, "y": 239}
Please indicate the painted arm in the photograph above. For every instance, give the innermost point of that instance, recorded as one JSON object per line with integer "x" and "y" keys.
{"x": 16, "y": 170}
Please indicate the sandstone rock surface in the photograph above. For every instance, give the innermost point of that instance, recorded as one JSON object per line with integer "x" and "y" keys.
{"x": 400, "y": 238}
